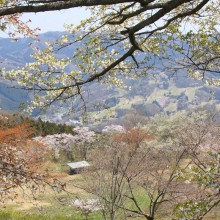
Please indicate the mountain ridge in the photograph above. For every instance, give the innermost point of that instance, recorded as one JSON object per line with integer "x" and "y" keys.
{"x": 151, "y": 95}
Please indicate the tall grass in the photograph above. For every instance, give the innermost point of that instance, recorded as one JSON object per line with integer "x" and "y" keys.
{"x": 15, "y": 215}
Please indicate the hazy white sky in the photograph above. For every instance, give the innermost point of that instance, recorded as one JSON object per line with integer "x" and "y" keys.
{"x": 54, "y": 21}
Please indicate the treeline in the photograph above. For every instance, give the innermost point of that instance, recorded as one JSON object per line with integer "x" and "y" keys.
{"x": 38, "y": 126}
{"x": 43, "y": 128}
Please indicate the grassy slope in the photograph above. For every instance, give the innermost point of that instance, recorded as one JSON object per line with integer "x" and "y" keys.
{"x": 47, "y": 206}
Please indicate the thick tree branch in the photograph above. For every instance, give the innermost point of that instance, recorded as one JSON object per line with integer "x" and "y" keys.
{"x": 181, "y": 15}
{"x": 53, "y": 5}
{"x": 124, "y": 17}
{"x": 166, "y": 8}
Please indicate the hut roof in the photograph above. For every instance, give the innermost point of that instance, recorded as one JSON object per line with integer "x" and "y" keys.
{"x": 79, "y": 164}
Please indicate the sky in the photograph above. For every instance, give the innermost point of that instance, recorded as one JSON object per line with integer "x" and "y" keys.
{"x": 54, "y": 21}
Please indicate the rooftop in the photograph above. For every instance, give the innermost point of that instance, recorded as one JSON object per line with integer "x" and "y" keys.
{"x": 79, "y": 164}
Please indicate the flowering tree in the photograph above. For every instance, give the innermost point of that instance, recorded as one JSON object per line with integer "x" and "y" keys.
{"x": 113, "y": 129}
{"x": 197, "y": 135}
{"x": 119, "y": 165}
{"x": 206, "y": 175}
{"x": 20, "y": 157}
{"x": 58, "y": 142}
{"x": 122, "y": 38}
{"x": 87, "y": 206}
{"x": 11, "y": 23}
{"x": 82, "y": 141}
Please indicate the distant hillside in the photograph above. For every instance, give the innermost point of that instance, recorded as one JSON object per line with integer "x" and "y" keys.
{"x": 149, "y": 95}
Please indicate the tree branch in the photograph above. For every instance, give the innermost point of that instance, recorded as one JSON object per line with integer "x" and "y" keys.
{"x": 53, "y": 5}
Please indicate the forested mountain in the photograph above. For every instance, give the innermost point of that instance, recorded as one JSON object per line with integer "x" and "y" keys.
{"x": 160, "y": 92}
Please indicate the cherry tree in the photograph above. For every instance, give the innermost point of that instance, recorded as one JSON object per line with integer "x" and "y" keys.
{"x": 113, "y": 129}
{"x": 20, "y": 161}
{"x": 11, "y": 23}
{"x": 58, "y": 142}
{"x": 82, "y": 140}
{"x": 197, "y": 134}
{"x": 206, "y": 176}
{"x": 121, "y": 39}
